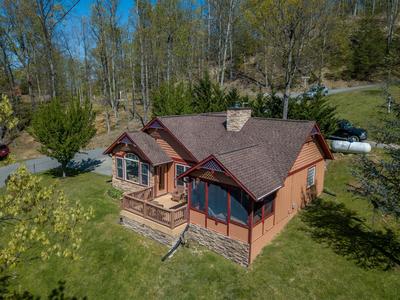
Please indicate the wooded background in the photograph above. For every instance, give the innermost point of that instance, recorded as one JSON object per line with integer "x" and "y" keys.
{"x": 259, "y": 45}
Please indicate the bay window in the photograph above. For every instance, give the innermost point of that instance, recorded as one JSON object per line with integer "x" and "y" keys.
{"x": 120, "y": 167}
{"x": 132, "y": 169}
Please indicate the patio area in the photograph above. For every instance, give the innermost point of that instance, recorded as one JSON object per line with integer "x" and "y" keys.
{"x": 162, "y": 210}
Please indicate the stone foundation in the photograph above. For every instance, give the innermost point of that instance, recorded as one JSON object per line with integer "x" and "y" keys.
{"x": 146, "y": 231}
{"x": 236, "y": 251}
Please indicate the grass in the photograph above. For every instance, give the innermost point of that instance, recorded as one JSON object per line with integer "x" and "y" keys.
{"x": 120, "y": 264}
{"x": 364, "y": 108}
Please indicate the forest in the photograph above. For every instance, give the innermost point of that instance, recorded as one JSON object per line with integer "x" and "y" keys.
{"x": 165, "y": 48}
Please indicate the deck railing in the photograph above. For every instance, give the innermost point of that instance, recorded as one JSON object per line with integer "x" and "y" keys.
{"x": 167, "y": 217}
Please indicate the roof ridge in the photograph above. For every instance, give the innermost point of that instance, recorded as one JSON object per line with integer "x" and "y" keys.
{"x": 283, "y": 120}
{"x": 207, "y": 114}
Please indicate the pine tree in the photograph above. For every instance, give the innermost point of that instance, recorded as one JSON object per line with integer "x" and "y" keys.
{"x": 378, "y": 179}
{"x": 63, "y": 131}
{"x": 172, "y": 99}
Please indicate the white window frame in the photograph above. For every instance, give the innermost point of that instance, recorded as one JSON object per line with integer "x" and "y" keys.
{"x": 313, "y": 169}
{"x": 134, "y": 160}
{"x": 123, "y": 167}
{"x": 185, "y": 167}
{"x": 148, "y": 174}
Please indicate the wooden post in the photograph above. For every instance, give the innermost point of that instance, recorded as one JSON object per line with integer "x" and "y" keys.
{"x": 172, "y": 219}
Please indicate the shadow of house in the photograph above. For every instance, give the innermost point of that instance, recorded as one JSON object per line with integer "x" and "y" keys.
{"x": 75, "y": 168}
{"x": 346, "y": 233}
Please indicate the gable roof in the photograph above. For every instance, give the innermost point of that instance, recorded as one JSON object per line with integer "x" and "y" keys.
{"x": 146, "y": 144}
{"x": 260, "y": 155}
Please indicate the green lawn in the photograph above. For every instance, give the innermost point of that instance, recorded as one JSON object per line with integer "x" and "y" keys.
{"x": 301, "y": 263}
{"x": 364, "y": 108}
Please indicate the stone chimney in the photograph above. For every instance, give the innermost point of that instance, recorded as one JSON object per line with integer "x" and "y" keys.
{"x": 236, "y": 117}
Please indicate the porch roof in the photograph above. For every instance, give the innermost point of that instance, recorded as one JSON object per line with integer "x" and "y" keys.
{"x": 145, "y": 144}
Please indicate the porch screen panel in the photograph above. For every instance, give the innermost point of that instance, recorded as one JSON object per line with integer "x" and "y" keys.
{"x": 132, "y": 170}
{"x": 198, "y": 195}
{"x": 240, "y": 207}
{"x": 217, "y": 202}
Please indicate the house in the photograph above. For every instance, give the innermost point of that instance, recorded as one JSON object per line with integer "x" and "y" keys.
{"x": 234, "y": 179}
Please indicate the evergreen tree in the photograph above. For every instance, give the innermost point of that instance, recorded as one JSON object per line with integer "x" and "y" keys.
{"x": 315, "y": 109}
{"x": 368, "y": 49}
{"x": 378, "y": 180}
{"x": 208, "y": 96}
{"x": 172, "y": 99}
{"x": 63, "y": 131}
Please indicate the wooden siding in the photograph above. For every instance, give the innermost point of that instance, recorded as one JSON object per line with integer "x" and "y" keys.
{"x": 289, "y": 200}
{"x": 169, "y": 144}
{"x": 310, "y": 153}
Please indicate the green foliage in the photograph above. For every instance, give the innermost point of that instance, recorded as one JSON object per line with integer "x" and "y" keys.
{"x": 378, "y": 179}
{"x": 7, "y": 119}
{"x": 368, "y": 43}
{"x": 205, "y": 96}
{"x": 317, "y": 109}
{"x": 172, "y": 99}
{"x": 63, "y": 131}
{"x": 208, "y": 96}
{"x": 37, "y": 221}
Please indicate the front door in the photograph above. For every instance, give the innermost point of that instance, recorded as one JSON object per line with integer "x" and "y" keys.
{"x": 162, "y": 179}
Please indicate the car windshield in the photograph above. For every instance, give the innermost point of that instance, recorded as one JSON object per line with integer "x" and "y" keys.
{"x": 346, "y": 124}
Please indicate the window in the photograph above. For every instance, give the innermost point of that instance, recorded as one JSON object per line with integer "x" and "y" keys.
{"x": 180, "y": 169}
{"x": 311, "y": 177}
{"x": 132, "y": 167}
{"x": 144, "y": 174}
{"x": 120, "y": 168}
{"x": 240, "y": 206}
{"x": 198, "y": 195}
{"x": 217, "y": 202}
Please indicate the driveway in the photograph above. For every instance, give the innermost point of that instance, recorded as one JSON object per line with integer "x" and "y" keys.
{"x": 91, "y": 160}
{"x": 340, "y": 90}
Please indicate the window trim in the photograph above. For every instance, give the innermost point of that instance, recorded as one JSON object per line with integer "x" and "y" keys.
{"x": 314, "y": 168}
{"x": 123, "y": 167}
{"x": 134, "y": 160}
{"x": 185, "y": 168}
{"x": 141, "y": 174}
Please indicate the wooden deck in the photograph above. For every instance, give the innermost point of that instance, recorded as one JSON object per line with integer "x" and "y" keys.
{"x": 161, "y": 210}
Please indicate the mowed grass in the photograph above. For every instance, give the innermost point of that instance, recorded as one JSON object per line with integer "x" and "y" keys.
{"x": 364, "y": 108}
{"x": 120, "y": 264}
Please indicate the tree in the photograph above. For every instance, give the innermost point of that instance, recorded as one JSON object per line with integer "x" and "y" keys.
{"x": 7, "y": 119}
{"x": 316, "y": 109}
{"x": 37, "y": 221}
{"x": 172, "y": 99}
{"x": 378, "y": 179}
{"x": 368, "y": 48}
{"x": 287, "y": 29}
{"x": 63, "y": 131}
{"x": 208, "y": 96}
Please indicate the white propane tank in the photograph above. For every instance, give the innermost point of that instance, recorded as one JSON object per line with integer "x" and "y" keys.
{"x": 347, "y": 147}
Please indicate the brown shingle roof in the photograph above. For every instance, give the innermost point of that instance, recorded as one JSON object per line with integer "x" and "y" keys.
{"x": 260, "y": 155}
{"x": 149, "y": 147}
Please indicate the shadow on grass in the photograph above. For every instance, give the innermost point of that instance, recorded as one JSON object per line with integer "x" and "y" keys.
{"x": 349, "y": 236}
{"x": 76, "y": 168}
{"x": 56, "y": 294}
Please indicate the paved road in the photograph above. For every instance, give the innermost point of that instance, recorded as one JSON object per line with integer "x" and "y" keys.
{"x": 340, "y": 90}
{"x": 92, "y": 160}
